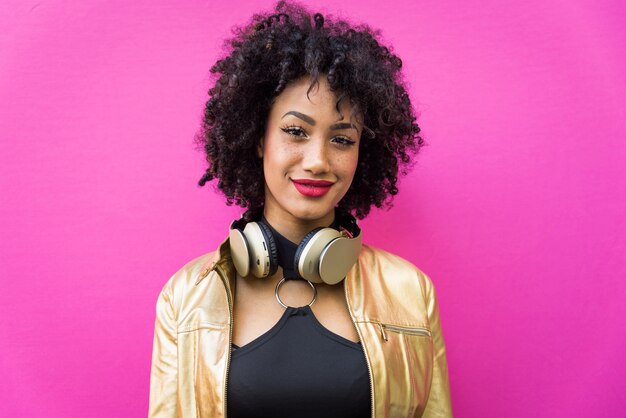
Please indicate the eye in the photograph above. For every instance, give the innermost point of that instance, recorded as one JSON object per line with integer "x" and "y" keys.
{"x": 298, "y": 132}
{"x": 293, "y": 130}
{"x": 343, "y": 141}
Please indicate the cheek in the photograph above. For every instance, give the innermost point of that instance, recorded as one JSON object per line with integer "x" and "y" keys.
{"x": 277, "y": 160}
{"x": 349, "y": 164}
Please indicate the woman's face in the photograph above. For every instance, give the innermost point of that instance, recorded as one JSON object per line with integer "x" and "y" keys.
{"x": 310, "y": 153}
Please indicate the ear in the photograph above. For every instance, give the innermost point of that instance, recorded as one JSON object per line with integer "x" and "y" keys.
{"x": 259, "y": 148}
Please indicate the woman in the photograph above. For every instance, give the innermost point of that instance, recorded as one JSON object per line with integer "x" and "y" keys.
{"x": 292, "y": 316}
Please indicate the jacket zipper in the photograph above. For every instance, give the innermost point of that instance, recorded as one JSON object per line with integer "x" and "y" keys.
{"x": 230, "y": 332}
{"x": 367, "y": 360}
{"x": 402, "y": 330}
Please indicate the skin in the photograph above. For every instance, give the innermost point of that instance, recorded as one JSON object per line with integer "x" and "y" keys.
{"x": 301, "y": 146}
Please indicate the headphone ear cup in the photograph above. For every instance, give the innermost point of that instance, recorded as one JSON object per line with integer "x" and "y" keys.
{"x": 310, "y": 252}
{"x": 259, "y": 263}
{"x": 271, "y": 247}
{"x": 240, "y": 252}
{"x": 300, "y": 249}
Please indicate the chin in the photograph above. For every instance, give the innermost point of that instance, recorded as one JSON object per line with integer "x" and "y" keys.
{"x": 311, "y": 213}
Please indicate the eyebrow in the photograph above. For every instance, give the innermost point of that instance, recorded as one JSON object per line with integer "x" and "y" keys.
{"x": 311, "y": 121}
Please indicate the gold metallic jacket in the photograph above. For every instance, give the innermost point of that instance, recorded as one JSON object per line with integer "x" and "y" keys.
{"x": 391, "y": 302}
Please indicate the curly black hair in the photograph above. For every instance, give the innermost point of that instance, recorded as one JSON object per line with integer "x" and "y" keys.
{"x": 277, "y": 48}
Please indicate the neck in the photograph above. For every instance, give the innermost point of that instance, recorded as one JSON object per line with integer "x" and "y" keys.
{"x": 295, "y": 229}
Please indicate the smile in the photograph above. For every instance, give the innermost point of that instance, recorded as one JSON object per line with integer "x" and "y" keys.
{"x": 312, "y": 188}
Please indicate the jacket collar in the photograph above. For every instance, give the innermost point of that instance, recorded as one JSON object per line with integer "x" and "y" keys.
{"x": 220, "y": 258}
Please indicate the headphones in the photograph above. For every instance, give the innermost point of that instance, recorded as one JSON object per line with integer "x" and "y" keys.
{"x": 323, "y": 256}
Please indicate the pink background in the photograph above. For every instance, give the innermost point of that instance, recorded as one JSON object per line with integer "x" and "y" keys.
{"x": 516, "y": 209}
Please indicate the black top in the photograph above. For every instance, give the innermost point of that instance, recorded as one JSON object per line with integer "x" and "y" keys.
{"x": 298, "y": 369}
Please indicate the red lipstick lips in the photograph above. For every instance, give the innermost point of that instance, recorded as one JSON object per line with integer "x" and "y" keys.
{"x": 312, "y": 188}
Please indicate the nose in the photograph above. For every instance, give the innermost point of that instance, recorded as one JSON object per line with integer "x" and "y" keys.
{"x": 315, "y": 158}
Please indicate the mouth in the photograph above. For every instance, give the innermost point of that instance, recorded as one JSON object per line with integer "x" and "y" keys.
{"x": 312, "y": 188}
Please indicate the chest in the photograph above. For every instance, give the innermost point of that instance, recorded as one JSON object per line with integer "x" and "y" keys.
{"x": 256, "y": 309}
{"x": 399, "y": 360}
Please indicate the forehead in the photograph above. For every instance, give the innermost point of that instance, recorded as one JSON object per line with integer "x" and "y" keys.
{"x": 321, "y": 102}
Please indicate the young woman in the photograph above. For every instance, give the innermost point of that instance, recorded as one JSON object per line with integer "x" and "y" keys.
{"x": 292, "y": 316}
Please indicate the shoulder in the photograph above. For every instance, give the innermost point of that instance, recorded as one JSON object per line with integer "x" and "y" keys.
{"x": 183, "y": 280}
{"x": 187, "y": 274}
{"x": 388, "y": 288}
{"x": 393, "y": 268}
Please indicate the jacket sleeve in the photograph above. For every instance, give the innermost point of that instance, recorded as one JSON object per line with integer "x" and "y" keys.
{"x": 439, "y": 403}
{"x": 163, "y": 373}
